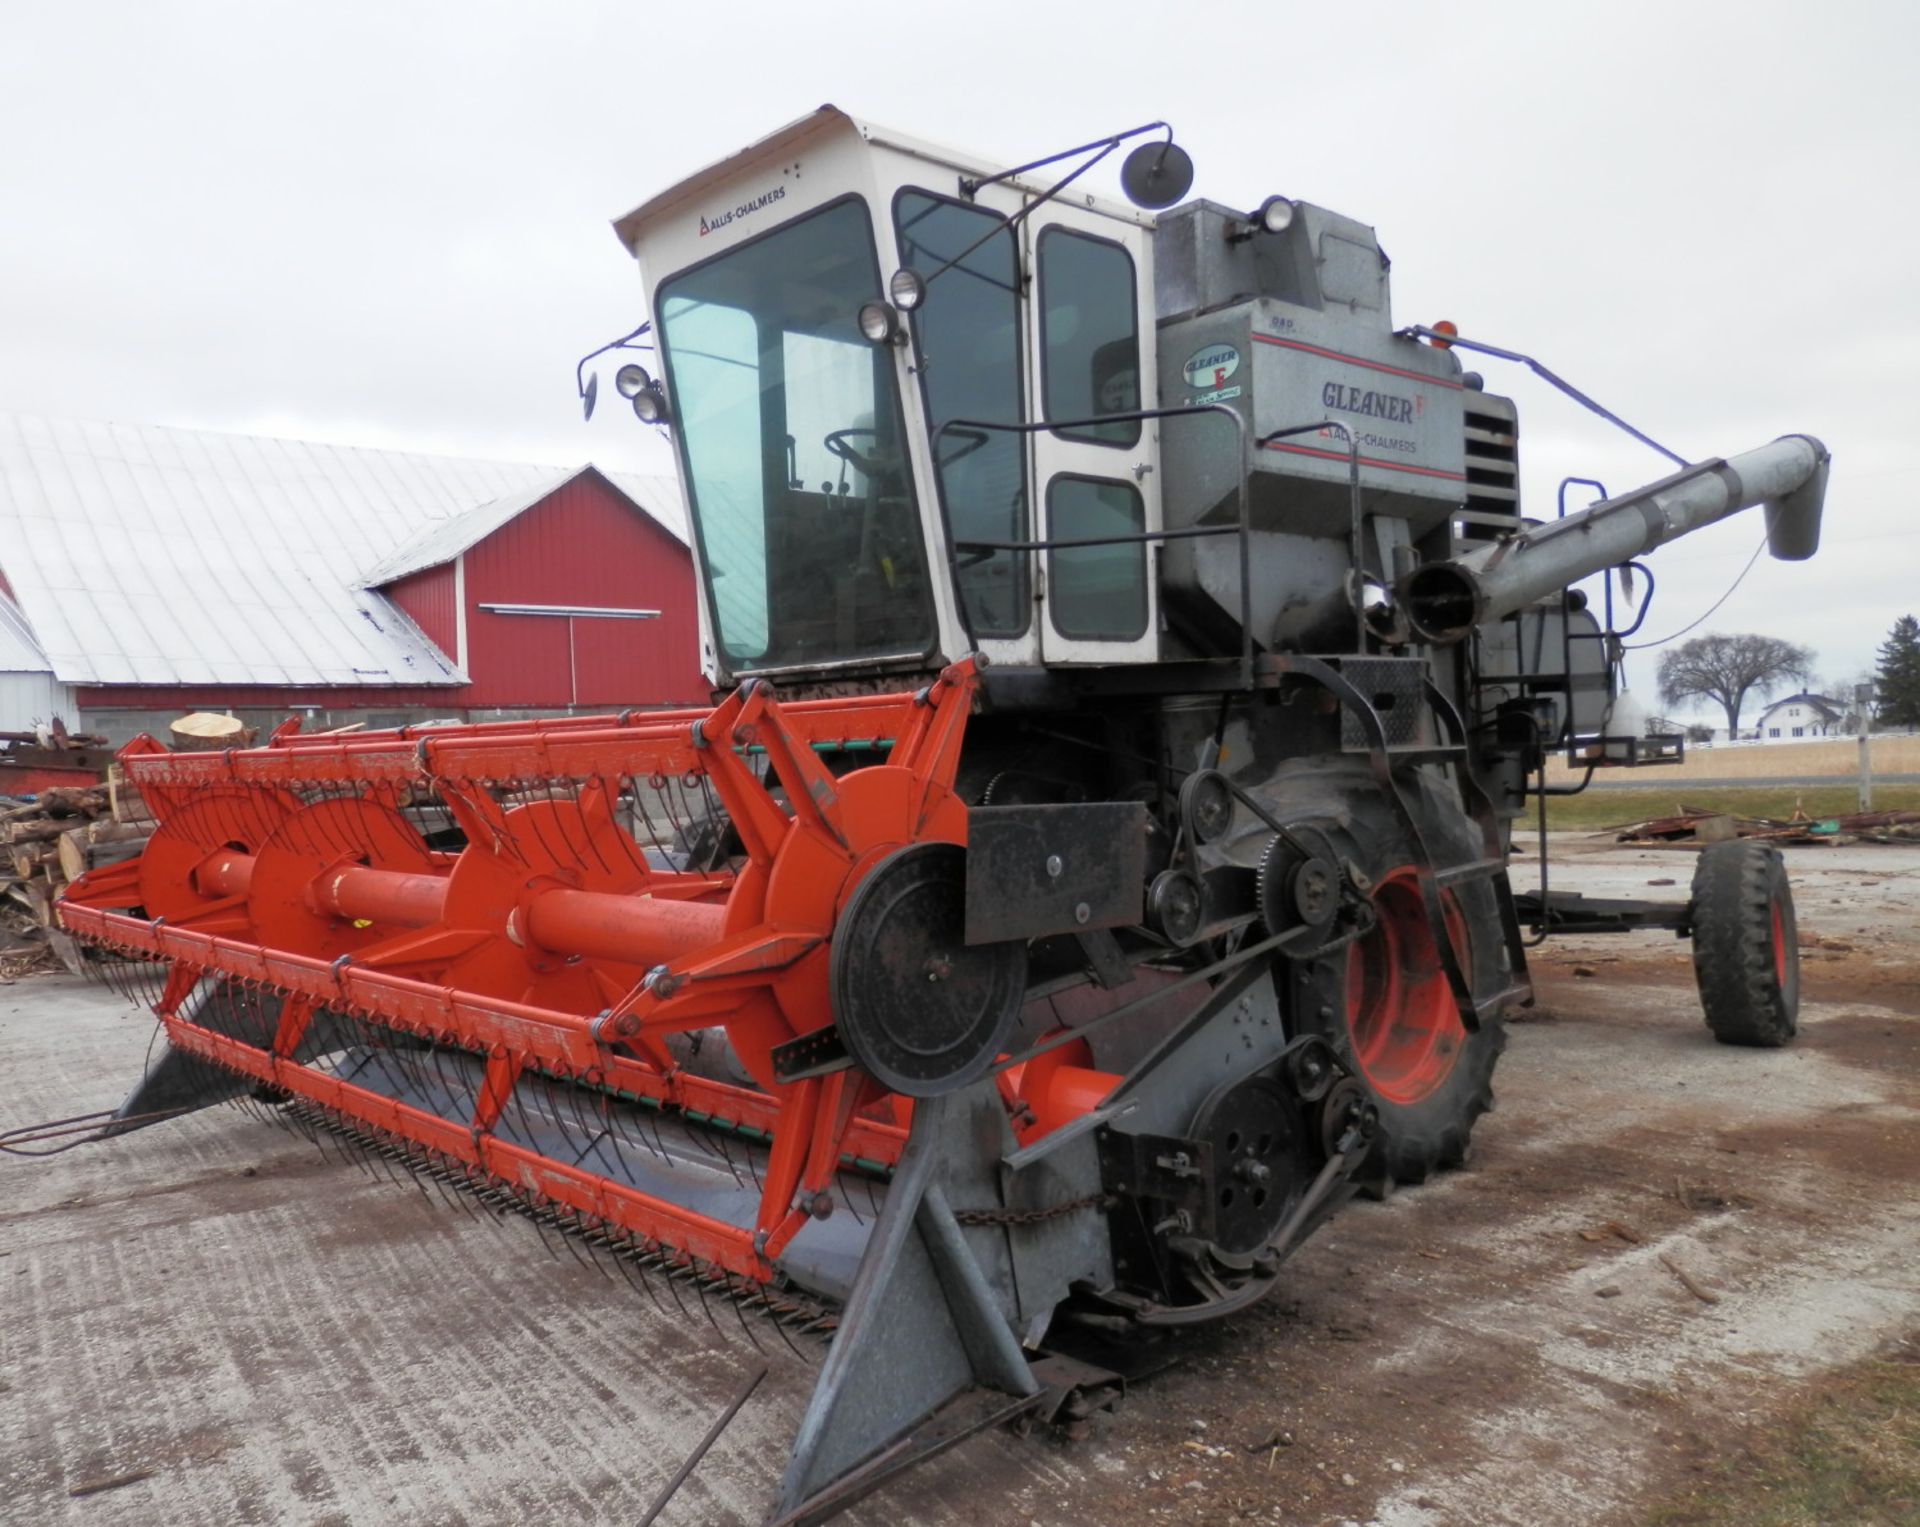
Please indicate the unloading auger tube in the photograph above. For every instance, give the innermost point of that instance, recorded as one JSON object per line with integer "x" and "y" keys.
{"x": 1447, "y": 601}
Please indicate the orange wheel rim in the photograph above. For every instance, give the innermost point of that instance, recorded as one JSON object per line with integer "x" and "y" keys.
{"x": 1402, "y": 1021}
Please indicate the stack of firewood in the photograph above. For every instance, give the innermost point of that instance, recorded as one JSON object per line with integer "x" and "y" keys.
{"x": 46, "y": 842}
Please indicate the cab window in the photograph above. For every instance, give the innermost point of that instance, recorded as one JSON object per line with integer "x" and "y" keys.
{"x": 1089, "y": 335}
{"x": 790, "y": 428}
{"x": 1097, "y": 592}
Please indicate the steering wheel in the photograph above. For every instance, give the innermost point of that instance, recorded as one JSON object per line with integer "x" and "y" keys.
{"x": 836, "y": 444}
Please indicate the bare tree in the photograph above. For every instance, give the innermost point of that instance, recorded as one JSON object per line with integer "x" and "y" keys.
{"x": 1726, "y": 669}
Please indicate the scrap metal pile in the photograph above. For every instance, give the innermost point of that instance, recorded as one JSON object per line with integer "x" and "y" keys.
{"x": 50, "y": 755}
{"x": 1699, "y": 824}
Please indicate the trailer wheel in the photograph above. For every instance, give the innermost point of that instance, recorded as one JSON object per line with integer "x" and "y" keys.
{"x": 1746, "y": 954}
{"x": 1384, "y": 1003}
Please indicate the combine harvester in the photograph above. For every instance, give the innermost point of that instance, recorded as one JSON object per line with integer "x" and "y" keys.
{"x": 1134, "y": 662}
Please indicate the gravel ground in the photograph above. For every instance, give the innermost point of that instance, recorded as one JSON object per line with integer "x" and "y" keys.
{"x": 1658, "y": 1240}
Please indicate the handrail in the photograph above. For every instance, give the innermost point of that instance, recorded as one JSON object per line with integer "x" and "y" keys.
{"x": 1356, "y": 592}
{"x": 1239, "y": 527}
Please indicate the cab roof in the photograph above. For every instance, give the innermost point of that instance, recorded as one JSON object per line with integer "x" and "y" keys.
{"x": 817, "y": 126}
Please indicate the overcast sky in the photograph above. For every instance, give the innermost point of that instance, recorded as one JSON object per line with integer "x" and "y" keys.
{"x": 387, "y": 224}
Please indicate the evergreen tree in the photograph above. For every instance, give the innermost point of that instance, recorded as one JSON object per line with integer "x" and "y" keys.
{"x": 1897, "y": 678}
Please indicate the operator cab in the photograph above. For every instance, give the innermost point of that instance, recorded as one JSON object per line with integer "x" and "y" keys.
{"x": 859, "y": 502}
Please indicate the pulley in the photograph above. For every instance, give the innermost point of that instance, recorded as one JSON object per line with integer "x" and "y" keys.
{"x": 1299, "y": 881}
{"x": 1254, "y": 1129}
{"x": 1177, "y": 906}
{"x": 1206, "y": 805}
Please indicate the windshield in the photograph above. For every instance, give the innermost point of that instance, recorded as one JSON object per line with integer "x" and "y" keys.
{"x": 790, "y": 426}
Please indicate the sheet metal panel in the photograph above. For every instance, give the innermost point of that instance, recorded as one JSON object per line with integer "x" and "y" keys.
{"x": 584, "y": 545}
{"x": 430, "y": 599}
{"x": 30, "y": 699}
{"x": 438, "y": 544}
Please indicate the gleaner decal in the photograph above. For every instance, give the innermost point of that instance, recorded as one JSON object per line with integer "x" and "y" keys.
{"x": 745, "y": 209}
{"x": 1211, "y": 365}
{"x": 1390, "y": 406}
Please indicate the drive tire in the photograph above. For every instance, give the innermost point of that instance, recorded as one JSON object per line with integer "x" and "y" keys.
{"x": 1428, "y": 1101}
{"x": 1746, "y": 955}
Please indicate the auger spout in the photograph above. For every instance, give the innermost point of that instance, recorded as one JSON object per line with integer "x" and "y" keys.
{"x": 1446, "y": 600}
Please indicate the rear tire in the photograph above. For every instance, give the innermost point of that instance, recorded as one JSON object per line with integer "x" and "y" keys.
{"x": 1430, "y": 1084}
{"x": 1746, "y": 954}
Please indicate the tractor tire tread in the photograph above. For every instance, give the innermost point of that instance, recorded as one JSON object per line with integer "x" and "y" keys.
{"x": 1735, "y": 889}
{"x": 1411, "y": 1153}
{"x": 1415, "y": 1141}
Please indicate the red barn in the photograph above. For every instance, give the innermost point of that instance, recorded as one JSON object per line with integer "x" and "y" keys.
{"x": 158, "y": 571}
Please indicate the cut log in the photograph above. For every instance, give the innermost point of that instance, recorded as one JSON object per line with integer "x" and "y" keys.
{"x": 70, "y": 801}
{"x": 204, "y": 730}
{"x": 31, "y": 859}
{"x": 41, "y": 831}
{"x": 72, "y": 853}
{"x": 124, "y": 803}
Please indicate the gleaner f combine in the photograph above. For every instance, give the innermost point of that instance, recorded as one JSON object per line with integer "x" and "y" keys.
{"x": 1134, "y": 662}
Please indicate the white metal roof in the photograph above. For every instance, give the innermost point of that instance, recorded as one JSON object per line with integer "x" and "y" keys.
{"x": 143, "y": 555}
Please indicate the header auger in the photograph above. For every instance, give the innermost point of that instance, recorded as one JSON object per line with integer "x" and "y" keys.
{"x": 550, "y": 945}
{"x": 1135, "y": 660}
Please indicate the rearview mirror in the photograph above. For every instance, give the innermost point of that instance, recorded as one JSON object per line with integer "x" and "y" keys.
{"x": 1156, "y": 175}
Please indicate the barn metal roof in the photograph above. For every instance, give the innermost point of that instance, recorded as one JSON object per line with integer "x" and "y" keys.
{"x": 144, "y": 555}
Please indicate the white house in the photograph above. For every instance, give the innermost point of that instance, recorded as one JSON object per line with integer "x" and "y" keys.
{"x": 1801, "y": 716}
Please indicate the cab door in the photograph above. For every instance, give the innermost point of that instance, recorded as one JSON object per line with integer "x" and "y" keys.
{"x": 970, "y": 358}
{"x": 1093, "y": 355}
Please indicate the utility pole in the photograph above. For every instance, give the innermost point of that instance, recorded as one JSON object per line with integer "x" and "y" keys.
{"x": 1863, "y": 707}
